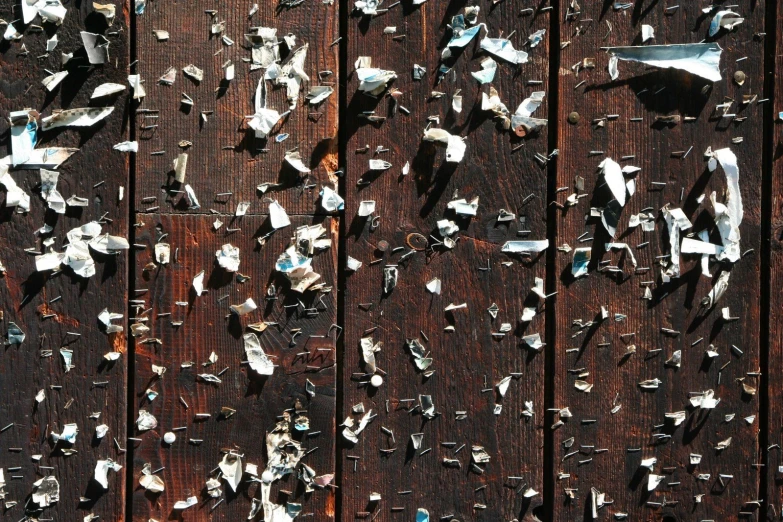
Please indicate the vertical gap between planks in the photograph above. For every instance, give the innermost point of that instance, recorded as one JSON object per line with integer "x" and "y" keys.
{"x": 770, "y": 41}
{"x": 342, "y": 144}
{"x": 551, "y": 276}
{"x": 130, "y": 351}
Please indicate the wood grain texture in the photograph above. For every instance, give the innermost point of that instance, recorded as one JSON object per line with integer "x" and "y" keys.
{"x": 225, "y": 156}
{"x": 774, "y": 413}
{"x": 27, "y": 297}
{"x": 500, "y": 169}
{"x": 206, "y": 328}
{"x": 647, "y": 93}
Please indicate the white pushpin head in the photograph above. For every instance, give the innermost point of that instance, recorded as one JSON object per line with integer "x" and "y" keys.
{"x": 169, "y": 437}
{"x": 376, "y": 381}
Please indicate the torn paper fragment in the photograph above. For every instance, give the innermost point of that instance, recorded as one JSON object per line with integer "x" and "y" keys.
{"x": 706, "y": 400}
{"x": 49, "y": 193}
{"x": 580, "y": 261}
{"x": 46, "y": 492}
{"x": 242, "y": 208}
{"x": 191, "y": 194}
{"x": 256, "y": 357}
{"x": 152, "y": 483}
{"x": 613, "y": 175}
{"x": 533, "y": 341}
{"x": 353, "y": 264}
{"x": 295, "y": 160}
{"x": 521, "y": 121}
{"x": 331, "y": 200}
{"x": 185, "y": 504}
{"x": 525, "y": 247}
{"x": 228, "y": 257}
{"x": 464, "y": 208}
{"x": 724, "y": 20}
{"x": 455, "y": 145}
{"x": 53, "y": 80}
{"x": 127, "y": 146}
{"x": 701, "y": 59}
{"x": 318, "y": 94}
{"x": 106, "y": 317}
{"x": 503, "y": 385}
{"x": 462, "y": 37}
{"x": 24, "y": 130}
{"x": 487, "y": 73}
{"x": 162, "y": 253}
{"x": 277, "y": 216}
{"x": 653, "y": 480}
{"x": 244, "y": 308}
{"x": 146, "y": 421}
{"x": 622, "y": 246}
{"x": 45, "y": 158}
{"x": 376, "y": 164}
{"x": 68, "y": 434}
{"x": 728, "y": 216}
{"x": 434, "y": 286}
{"x": 107, "y": 10}
{"x": 51, "y": 11}
{"x": 231, "y": 468}
{"x": 136, "y": 84}
{"x": 193, "y": 72}
{"x": 695, "y": 246}
{"x": 97, "y": 47}
{"x": 503, "y": 48}
{"x": 102, "y": 468}
{"x": 84, "y": 117}
{"x": 292, "y": 75}
{"x": 15, "y": 196}
{"x": 30, "y": 9}
{"x": 369, "y": 349}
{"x": 366, "y": 208}
{"x": 374, "y": 81}
{"x": 676, "y": 221}
{"x": 648, "y": 32}
{"x": 717, "y": 291}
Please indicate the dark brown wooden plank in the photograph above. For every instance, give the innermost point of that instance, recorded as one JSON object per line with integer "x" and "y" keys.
{"x": 206, "y": 328}
{"x": 61, "y": 310}
{"x": 774, "y": 459}
{"x": 225, "y": 155}
{"x": 647, "y": 93}
{"x": 500, "y": 169}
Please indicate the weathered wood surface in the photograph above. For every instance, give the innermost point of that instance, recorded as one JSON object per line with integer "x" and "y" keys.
{"x": 774, "y": 382}
{"x": 207, "y": 327}
{"x": 225, "y": 155}
{"x": 29, "y": 298}
{"x": 501, "y": 170}
{"x": 646, "y": 94}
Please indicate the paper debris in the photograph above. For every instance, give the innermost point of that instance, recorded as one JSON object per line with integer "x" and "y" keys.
{"x": 487, "y": 73}
{"x": 97, "y": 47}
{"x": 228, "y": 257}
{"x": 85, "y": 117}
{"x": 724, "y": 20}
{"x": 524, "y": 247}
{"x": 373, "y": 81}
{"x": 256, "y": 356}
{"x": 231, "y": 468}
{"x": 46, "y": 491}
{"x": 701, "y": 59}
{"x": 503, "y": 48}
{"x": 102, "y": 468}
{"x": 455, "y": 145}
{"x": 244, "y": 308}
